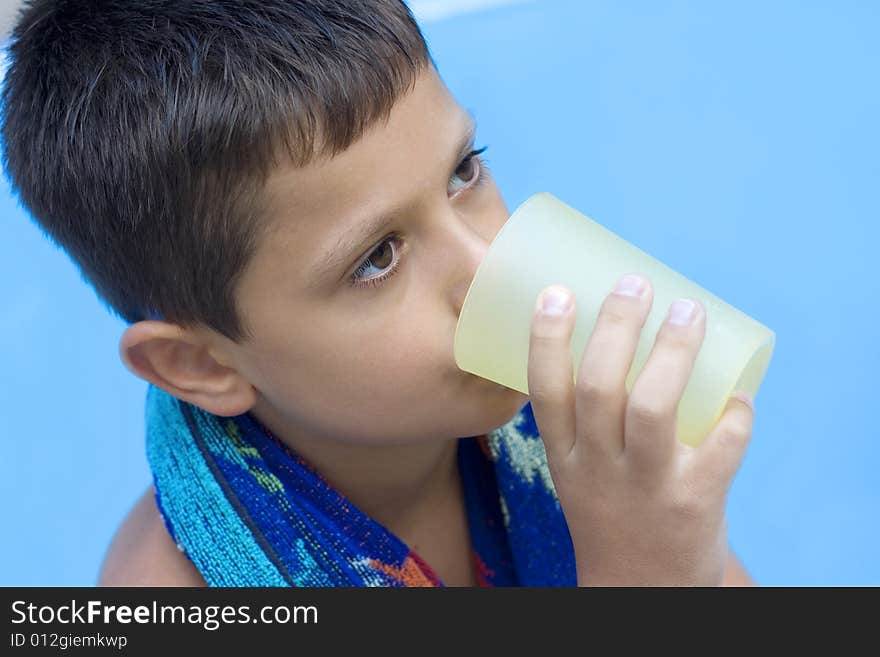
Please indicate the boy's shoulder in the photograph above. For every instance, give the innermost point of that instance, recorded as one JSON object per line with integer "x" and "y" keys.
{"x": 142, "y": 552}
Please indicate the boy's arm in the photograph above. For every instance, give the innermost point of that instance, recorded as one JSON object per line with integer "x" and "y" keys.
{"x": 736, "y": 574}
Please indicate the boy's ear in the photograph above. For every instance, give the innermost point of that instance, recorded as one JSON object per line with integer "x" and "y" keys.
{"x": 179, "y": 363}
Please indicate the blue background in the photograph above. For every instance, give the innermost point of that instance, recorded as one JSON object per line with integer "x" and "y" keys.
{"x": 737, "y": 142}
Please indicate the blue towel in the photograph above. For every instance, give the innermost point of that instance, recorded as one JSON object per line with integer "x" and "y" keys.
{"x": 248, "y": 511}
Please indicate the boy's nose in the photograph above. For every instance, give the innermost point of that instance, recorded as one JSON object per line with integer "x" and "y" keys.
{"x": 469, "y": 248}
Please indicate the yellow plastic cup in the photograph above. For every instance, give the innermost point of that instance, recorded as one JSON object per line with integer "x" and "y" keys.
{"x": 547, "y": 242}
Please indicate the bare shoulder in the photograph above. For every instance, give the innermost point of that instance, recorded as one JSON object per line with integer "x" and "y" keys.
{"x": 142, "y": 552}
{"x": 736, "y": 573}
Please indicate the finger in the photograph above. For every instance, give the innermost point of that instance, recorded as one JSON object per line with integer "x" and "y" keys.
{"x": 608, "y": 355}
{"x": 716, "y": 460}
{"x": 550, "y": 375}
{"x": 652, "y": 409}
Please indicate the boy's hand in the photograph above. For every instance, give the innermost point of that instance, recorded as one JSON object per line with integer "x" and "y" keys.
{"x": 642, "y": 508}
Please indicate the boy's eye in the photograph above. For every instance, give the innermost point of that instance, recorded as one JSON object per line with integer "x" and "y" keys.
{"x": 467, "y": 170}
{"x": 470, "y": 173}
{"x": 381, "y": 258}
{"x": 467, "y": 174}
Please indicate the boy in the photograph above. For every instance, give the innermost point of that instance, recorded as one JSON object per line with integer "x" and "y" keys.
{"x": 286, "y": 204}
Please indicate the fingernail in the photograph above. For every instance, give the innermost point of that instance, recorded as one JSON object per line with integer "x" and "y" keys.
{"x": 682, "y": 312}
{"x": 630, "y": 285}
{"x": 555, "y": 302}
{"x": 745, "y": 398}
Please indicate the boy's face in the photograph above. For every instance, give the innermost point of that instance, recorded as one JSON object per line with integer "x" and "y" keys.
{"x": 336, "y": 357}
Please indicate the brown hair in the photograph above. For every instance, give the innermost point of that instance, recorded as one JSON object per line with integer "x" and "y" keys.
{"x": 139, "y": 135}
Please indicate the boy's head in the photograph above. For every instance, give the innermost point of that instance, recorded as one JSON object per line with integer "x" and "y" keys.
{"x": 281, "y": 197}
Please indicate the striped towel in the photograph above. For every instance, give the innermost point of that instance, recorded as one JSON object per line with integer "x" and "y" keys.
{"x": 248, "y": 511}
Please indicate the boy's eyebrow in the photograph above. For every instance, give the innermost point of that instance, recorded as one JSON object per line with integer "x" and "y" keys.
{"x": 343, "y": 250}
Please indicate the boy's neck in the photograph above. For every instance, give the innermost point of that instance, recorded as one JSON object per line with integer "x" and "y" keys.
{"x": 394, "y": 485}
